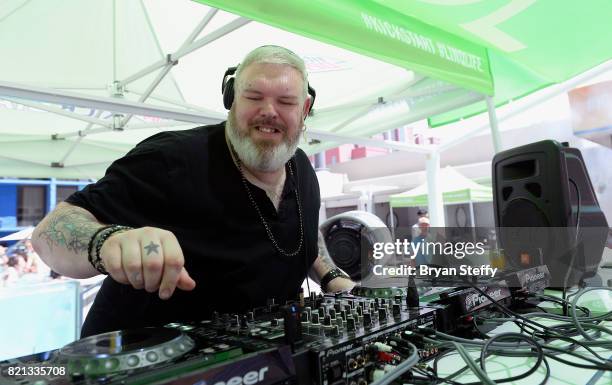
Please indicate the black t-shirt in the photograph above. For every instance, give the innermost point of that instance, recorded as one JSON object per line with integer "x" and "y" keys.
{"x": 187, "y": 183}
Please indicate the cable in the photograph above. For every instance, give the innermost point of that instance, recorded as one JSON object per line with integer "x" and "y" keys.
{"x": 503, "y": 349}
{"x": 575, "y": 317}
{"x": 402, "y": 368}
{"x": 503, "y": 336}
{"x": 478, "y": 371}
{"x": 503, "y": 308}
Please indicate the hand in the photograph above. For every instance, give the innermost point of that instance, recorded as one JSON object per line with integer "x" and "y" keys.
{"x": 149, "y": 258}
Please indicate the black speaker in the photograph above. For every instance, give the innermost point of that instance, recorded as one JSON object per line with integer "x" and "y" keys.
{"x": 546, "y": 211}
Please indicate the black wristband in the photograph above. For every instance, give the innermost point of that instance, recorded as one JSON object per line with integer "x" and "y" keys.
{"x": 330, "y": 276}
{"x": 91, "y": 243}
{"x": 97, "y": 262}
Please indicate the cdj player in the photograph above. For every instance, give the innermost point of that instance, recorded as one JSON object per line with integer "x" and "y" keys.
{"x": 324, "y": 340}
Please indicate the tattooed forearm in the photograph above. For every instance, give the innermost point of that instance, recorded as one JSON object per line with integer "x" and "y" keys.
{"x": 323, "y": 264}
{"x": 71, "y": 228}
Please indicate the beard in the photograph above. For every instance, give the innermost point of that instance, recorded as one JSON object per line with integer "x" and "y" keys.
{"x": 261, "y": 156}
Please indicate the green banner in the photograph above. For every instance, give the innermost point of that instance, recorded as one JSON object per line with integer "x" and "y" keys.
{"x": 374, "y": 30}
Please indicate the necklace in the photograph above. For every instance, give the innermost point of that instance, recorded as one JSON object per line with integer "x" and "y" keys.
{"x": 261, "y": 217}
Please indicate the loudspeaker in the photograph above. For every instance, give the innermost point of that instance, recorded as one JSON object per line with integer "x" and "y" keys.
{"x": 546, "y": 211}
{"x": 227, "y": 89}
{"x": 349, "y": 238}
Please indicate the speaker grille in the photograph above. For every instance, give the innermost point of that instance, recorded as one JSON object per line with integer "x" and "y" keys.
{"x": 344, "y": 245}
{"x": 523, "y": 213}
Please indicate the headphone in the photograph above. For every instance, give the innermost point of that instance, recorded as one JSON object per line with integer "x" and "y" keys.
{"x": 227, "y": 89}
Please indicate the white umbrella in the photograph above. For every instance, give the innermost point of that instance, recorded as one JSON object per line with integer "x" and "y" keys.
{"x": 19, "y": 235}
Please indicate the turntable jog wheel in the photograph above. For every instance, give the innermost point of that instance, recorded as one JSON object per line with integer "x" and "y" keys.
{"x": 124, "y": 350}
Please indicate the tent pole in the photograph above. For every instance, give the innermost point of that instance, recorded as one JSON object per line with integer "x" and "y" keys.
{"x": 370, "y": 203}
{"x": 104, "y": 103}
{"x": 194, "y": 34}
{"x": 497, "y": 141}
{"x": 434, "y": 193}
{"x": 338, "y": 138}
{"x": 81, "y": 135}
{"x": 473, "y": 220}
{"x": 52, "y": 195}
{"x": 60, "y": 111}
{"x": 391, "y": 221}
{"x": 216, "y": 34}
{"x": 322, "y": 213}
{"x": 162, "y": 74}
{"x": 533, "y": 100}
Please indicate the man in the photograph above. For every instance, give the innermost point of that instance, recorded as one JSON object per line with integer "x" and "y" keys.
{"x": 423, "y": 257}
{"x": 227, "y": 214}
{"x": 421, "y": 213}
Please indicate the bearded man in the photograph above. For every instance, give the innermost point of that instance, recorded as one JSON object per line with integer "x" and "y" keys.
{"x": 227, "y": 213}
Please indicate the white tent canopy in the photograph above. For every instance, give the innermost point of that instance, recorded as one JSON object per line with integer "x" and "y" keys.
{"x": 454, "y": 187}
{"x": 90, "y": 79}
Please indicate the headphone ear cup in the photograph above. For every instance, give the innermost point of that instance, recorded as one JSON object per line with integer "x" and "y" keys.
{"x": 228, "y": 93}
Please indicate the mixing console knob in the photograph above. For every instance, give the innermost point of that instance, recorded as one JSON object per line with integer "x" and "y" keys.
{"x": 308, "y": 311}
{"x": 348, "y": 309}
{"x": 305, "y": 318}
{"x": 236, "y": 320}
{"x": 244, "y": 323}
{"x": 351, "y": 303}
{"x": 359, "y": 310}
{"x": 327, "y": 320}
{"x": 350, "y": 324}
{"x": 251, "y": 316}
{"x": 396, "y": 310}
{"x": 367, "y": 320}
{"x": 398, "y": 299}
{"x": 382, "y": 315}
{"x": 321, "y": 312}
{"x": 340, "y": 322}
{"x": 335, "y": 331}
{"x": 332, "y": 313}
{"x": 338, "y": 306}
{"x": 343, "y": 315}
{"x": 274, "y": 322}
{"x": 383, "y": 301}
{"x": 315, "y": 319}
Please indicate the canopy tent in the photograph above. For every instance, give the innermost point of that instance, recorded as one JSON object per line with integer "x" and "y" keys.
{"x": 455, "y": 188}
{"x": 107, "y": 74}
{"x": 89, "y": 79}
{"x": 501, "y": 47}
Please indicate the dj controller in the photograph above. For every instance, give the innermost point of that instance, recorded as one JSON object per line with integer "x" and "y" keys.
{"x": 350, "y": 339}
{"x": 323, "y": 340}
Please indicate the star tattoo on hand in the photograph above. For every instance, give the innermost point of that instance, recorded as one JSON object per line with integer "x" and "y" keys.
{"x": 151, "y": 248}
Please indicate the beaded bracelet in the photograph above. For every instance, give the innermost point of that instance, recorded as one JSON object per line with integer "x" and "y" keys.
{"x": 97, "y": 262}
{"x": 91, "y": 242}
